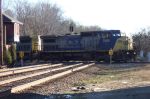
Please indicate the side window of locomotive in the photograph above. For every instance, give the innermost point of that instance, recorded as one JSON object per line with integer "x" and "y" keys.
{"x": 106, "y": 36}
{"x": 103, "y": 36}
{"x": 116, "y": 34}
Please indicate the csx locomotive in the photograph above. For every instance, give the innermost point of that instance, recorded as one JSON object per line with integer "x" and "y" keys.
{"x": 85, "y": 46}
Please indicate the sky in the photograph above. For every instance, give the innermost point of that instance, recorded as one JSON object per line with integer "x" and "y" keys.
{"x": 129, "y": 16}
{"x": 126, "y": 15}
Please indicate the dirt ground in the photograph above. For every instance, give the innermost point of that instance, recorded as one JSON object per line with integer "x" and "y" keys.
{"x": 119, "y": 76}
{"x": 98, "y": 78}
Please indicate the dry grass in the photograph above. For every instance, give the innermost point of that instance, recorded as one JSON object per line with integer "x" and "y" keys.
{"x": 115, "y": 78}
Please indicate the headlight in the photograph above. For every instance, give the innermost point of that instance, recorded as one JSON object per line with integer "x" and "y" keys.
{"x": 127, "y": 52}
{"x": 134, "y": 53}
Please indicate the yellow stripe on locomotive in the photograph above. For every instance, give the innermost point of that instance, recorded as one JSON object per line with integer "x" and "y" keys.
{"x": 123, "y": 43}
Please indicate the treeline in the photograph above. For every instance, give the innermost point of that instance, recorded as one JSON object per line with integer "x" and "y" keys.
{"x": 141, "y": 40}
{"x": 44, "y": 18}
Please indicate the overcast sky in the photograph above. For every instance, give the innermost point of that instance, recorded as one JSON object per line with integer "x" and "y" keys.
{"x": 126, "y": 15}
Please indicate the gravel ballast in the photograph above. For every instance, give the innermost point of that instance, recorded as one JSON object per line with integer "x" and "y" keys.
{"x": 64, "y": 85}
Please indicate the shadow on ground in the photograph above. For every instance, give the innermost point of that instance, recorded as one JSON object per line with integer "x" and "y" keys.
{"x": 131, "y": 93}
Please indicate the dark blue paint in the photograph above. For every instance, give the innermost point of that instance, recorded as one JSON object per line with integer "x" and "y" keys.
{"x": 112, "y": 40}
{"x": 73, "y": 42}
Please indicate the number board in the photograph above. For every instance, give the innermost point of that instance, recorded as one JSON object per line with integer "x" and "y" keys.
{"x": 110, "y": 52}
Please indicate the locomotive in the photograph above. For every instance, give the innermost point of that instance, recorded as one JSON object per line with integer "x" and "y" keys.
{"x": 83, "y": 46}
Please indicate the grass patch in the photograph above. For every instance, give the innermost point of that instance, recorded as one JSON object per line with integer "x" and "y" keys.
{"x": 110, "y": 74}
{"x": 100, "y": 79}
{"x": 105, "y": 76}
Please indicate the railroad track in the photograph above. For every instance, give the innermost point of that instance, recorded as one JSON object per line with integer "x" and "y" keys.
{"x": 19, "y": 79}
{"x": 26, "y": 69}
{"x": 17, "y": 68}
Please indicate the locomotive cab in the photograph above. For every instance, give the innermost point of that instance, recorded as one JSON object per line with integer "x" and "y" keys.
{"x": 123, "y": 50}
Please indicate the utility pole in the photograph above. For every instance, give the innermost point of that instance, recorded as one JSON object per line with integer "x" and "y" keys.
{"x": 1, "y": 35}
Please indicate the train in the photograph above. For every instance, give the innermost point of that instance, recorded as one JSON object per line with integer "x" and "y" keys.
{"x": 83, "y": 46}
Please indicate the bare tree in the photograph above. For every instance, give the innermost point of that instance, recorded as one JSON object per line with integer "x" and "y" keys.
{"x": 44, "y": 18}
{"x": 9, "y": 12}
{"x": 41, "y": 18}
{"x": 142, "y": 40}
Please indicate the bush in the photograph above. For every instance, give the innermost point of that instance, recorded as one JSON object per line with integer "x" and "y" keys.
{"x": 8, "y": 57}
{"x": 13, "y": 53}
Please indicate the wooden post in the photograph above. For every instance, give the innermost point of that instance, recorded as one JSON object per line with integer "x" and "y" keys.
{"x": 21, "y": 54}
{"x": 1, "y": 35}
{"x": 110, "y": 59}
{"x": 4, "y": 36}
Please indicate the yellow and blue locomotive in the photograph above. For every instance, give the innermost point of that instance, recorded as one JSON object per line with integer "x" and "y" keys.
{"x": 86, "y": 46}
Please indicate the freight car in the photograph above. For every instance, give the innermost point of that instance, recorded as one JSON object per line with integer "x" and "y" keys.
{"x": 86, "y": 46}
